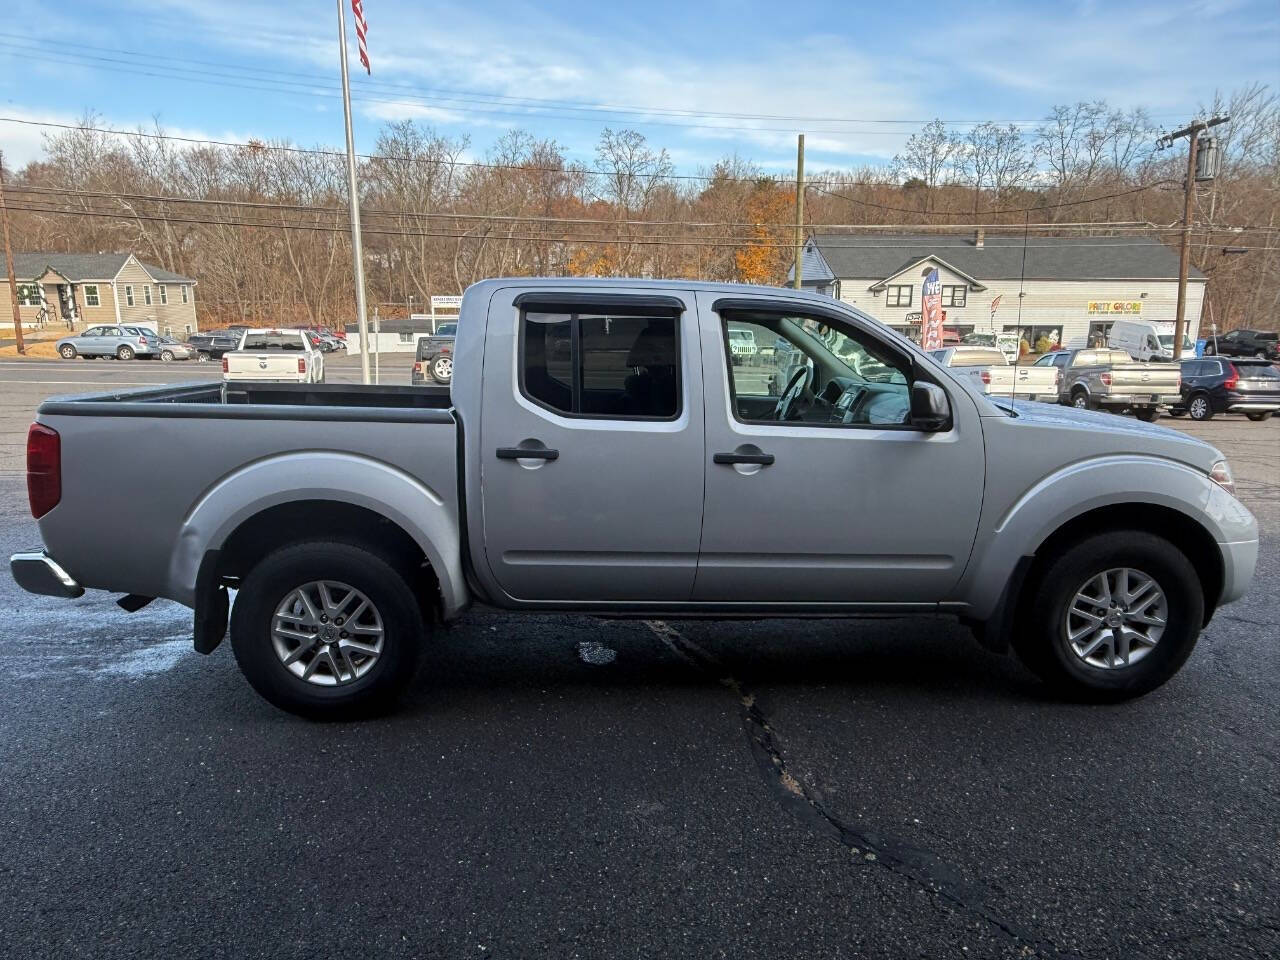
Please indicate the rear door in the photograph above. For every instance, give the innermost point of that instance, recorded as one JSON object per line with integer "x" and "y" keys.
{"x": 842, "y": 502}
{"x": 591, "y": 445}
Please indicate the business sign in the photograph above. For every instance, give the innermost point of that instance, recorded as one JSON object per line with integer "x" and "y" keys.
{"x": 446, "y": 303}
{"x": 931, "y": 312}
{"x": 1114, "y": 307}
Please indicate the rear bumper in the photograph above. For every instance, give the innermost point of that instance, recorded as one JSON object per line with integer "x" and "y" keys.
{"x": 1253, "y": 406}
{"x": 37, "y": 572}
{"x": 1139, "y": 399}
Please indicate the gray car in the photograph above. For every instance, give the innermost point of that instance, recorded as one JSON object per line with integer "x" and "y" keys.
{"x": 168, "y": 349}
{"x": 109, "y": 340}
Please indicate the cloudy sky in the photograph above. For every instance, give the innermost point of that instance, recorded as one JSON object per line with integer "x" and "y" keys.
{"x": 703, "y": 79}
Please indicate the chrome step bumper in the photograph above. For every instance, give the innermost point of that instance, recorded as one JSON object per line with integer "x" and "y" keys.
{"x": 37, "y": 572}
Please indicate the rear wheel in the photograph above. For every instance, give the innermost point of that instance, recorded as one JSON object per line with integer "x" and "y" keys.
{"x": 67, "y": 351}
{"x": 1080, "y": 399}
{"x": 1198, "y": 408}
{"x": 125, "y": 353}
{"x": 1259, "y": 417}
{"x": 327, "y": 630}
{"x": 442, "y": 369}
{"x": 1113, "y": 617}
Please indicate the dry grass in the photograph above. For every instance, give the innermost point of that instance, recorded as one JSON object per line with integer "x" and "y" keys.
{"x": 36, "y": 350}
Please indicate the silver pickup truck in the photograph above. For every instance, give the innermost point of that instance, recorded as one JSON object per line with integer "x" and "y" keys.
{"x": 1104, "y": 379}
{"x": 600, "y": 453}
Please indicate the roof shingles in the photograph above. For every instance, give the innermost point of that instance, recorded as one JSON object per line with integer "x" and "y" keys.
{"x": 78, "y": 267}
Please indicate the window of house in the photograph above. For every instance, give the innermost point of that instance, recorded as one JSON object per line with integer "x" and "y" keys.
{"x": 407, "y": 336}
{"x": 184, "y": 293}
{"x": 91, "y": 295}
{"x": 898, "y": 296}
{"x": 28, "y": 294}
{"x": 602, "y": 365}
{"x": 128, "y": 295}
{"x": 146, "y": 294}
{"x": 188, "y": 326}
{"x": 164, "y": 294}
{"x": 954, "y": 296}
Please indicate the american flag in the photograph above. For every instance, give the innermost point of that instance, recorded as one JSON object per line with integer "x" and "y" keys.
{"x": 362, "y": 28}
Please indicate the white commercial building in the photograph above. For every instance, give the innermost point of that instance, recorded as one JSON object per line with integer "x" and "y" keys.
{"x": 1063, "y": 288}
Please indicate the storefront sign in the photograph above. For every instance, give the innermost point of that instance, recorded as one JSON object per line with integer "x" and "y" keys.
{"x": 1112, "y": 307}
{"x": 446, "y": 303}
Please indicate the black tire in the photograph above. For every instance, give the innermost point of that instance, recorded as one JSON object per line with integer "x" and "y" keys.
{"x": 166, "y": 355}
{"x": 275, "y": 577}
{"x": 1259, "y": 417}
{"x": 67, "y": 351}
{"x": 442, "y": 369}
{"x": 125, "y": 352}
{"x": 203, "y": 357}
{"x": 1199, "y": 407}
{"x": 1080, "y": 400}
{"x": 1177, "y": 413}
{"x": 1041, "y": 641}
{"x": 1147, "y": 414}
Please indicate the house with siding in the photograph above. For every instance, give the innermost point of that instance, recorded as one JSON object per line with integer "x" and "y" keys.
{"x": 1063, "y": 288}
{"x": 80, "y": 289}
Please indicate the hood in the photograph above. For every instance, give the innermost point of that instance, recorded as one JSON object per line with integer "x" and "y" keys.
{"x": 1115, "y": 433}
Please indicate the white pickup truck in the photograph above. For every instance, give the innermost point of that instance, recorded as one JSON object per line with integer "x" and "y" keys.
{"x": 994, "y": 375}
{"x": 274, "y": 356}
{"x": 599, "y": 452}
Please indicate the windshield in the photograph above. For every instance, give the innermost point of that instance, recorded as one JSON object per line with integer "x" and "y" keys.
{"x": 447, "y": 330}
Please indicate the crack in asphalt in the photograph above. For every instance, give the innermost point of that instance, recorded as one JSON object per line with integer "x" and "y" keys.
{"x": 916, "y": 864}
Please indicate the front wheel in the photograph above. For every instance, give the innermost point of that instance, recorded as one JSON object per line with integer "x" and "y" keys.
{"x": 327, "y": 630}
{"x": 1113, "y": 617}
{"x": 442, "y": 369}
{"x": 1259, "y": 417}
{"x": 166, "y": 355}
{"x": 203, "y": 358}
{"x": 67, "y": 351}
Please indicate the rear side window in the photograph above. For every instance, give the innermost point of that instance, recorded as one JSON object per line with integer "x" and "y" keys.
{"x": 1258, "y": 371}
{"x": 1267, "y": 336}
{"x": 273, "y": 341}
{"x": 601, "y": 365}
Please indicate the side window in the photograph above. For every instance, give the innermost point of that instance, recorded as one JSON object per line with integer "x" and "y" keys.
{"x": 808, "y": 370}
{"x": 92, "y": 332}
{"x": 601, "y": 365}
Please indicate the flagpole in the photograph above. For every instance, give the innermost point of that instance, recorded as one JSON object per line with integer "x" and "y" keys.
{"x": 357, "y": 249}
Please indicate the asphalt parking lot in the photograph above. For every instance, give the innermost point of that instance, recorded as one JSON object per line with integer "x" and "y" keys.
{"x": 566, "y": 787}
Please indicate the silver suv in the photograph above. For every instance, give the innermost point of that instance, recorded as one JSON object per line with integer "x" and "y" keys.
{"x": 123, "y": 343}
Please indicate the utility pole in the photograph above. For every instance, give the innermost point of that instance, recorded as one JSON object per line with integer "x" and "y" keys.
{"x": 799, "y": 271}
{"x": 357, "y": 248}
{"x": 8, "y": 262}
{"x": 1192, "y": 133}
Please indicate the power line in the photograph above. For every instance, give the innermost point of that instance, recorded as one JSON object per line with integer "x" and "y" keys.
{"x": 1126, "y": 225}
{"x": 31, "y": 207}
{"x": 437, "y": 93}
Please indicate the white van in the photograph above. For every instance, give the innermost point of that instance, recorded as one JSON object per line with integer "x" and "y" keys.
{"x": 1147, "y": 340}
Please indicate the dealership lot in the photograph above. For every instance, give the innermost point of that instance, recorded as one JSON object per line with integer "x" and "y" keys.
{"x": 581, "y": 788}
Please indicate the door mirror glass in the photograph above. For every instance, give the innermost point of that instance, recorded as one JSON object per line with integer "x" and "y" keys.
{"x": 930, "y": 408}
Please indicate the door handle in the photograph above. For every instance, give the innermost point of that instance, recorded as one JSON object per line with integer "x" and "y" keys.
{"x": 527, "y": 453}
{"x": 762, "y": 459}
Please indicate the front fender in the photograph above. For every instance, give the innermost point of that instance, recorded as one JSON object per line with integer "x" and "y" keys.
{"x": 424, "y": 514}
{"x": 1020, "y": 528}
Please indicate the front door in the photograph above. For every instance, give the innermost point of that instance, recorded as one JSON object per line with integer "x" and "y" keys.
{"x": 591, "y": 447}
{"x": 818, "y": 490}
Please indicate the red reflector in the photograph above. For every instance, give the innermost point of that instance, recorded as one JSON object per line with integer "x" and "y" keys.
{"x": 302, "y": 365}
{"x": 226, "y": 364}
{"x": 44, "y": 469}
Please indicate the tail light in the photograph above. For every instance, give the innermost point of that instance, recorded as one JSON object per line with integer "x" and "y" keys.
{"x": 444, "y": 349}
{"x": 1057, "y": 377}
{"x": 986, "y": 376}
{"x": 1105, "y": 378}
{"x": 1233, "y": 377}
{"x": 417, "y": 368}
{"x": 44, "y": 469}
{"x": 226, "y": 364}
{"x": 302, "y": 365}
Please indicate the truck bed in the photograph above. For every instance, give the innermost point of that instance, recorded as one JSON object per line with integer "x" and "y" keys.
{"x": 140, "y": 468}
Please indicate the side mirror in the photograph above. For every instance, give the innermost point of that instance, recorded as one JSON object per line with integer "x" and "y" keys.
{"x": 930, "y": 408}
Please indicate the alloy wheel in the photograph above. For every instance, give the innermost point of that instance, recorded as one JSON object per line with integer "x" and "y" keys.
{"x": 1116, "y": 618}
{"x": 327, "y": 633}
{"x": 443, "y": 368}
{"x": 1199, "y": 408}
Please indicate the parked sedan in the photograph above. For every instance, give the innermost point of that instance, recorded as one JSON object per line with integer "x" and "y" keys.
{"x": 123, "y": 343}
{"x": 1217, "y": 385}
{"x": 169, "y": 349}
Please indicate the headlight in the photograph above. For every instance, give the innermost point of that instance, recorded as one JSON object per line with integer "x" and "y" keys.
{"x": 1220, "y": 473}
